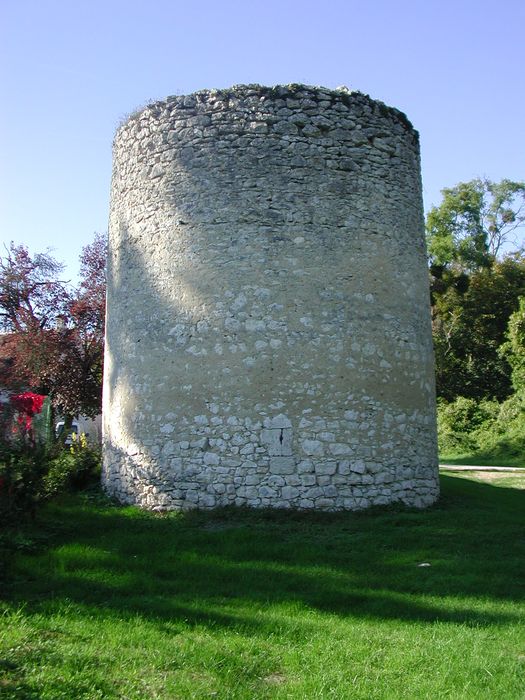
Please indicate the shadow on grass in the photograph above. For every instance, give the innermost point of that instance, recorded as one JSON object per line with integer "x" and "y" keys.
{"x": 225, "y": 568}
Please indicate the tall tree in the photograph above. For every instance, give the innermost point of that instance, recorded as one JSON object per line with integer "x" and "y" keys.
{"x": 54, "y": 334}
{"x": 31, "y": 295}
{"x": 32, "y": 300}
{"x": 514, "y": 349}
{"x": 470, "y": 324}
{"x": 75, "y": 373}
{"x": 473, "y": 223}
{"x": 473, "y": 289}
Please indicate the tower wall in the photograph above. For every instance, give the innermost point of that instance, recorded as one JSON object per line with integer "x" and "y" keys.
{"x": 268, "y": 325}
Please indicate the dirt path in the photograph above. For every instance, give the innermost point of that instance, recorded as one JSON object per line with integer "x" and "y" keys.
{"x": 513, "y": 477}
{"x": 476, "y": 468}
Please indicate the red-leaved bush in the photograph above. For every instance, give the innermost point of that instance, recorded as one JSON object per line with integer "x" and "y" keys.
{"x": 27, "y": 405}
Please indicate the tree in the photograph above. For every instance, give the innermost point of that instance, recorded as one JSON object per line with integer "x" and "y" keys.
{"x": 473, "y": 223}
{"x": 473, "y": 289}
{"x": 469, "y": 326}
{"x": 54, "y": 334}
{"x": 74, "y": 374}
{"x": 514, "y": 349}
{"x": 32, "y": 300}
{"x": 31, "y": 295}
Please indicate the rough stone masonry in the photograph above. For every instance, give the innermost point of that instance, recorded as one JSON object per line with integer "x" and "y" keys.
{"x": 268, "y": 326}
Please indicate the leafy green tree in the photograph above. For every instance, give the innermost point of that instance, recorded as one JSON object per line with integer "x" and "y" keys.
{"x": 470, "y": 324}
{"x": 514, "y": 349}
{"x": 473, "y": 223}
{"x": 473, "y": 290}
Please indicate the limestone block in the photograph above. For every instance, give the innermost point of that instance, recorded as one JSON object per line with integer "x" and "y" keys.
{"x": 282, "y": 465}
{"x": 267, "y": 492}
{"x": 338, "y": 448}
{"x": 278, "y": 441}
{"x": 313, "y": 447}
{"x": 289, "y": 492}
{"x": 326, "y": 468}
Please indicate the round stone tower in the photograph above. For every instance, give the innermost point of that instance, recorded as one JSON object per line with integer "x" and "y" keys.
{"x": 268, "y": 326}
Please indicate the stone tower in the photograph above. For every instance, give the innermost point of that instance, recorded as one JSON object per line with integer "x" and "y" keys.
{"x": 268, "y": 327}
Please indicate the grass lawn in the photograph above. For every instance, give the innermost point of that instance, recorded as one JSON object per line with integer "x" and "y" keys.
{"x": 513, "y": 480}
{"x": 101, "y": 601}
{"x": 505, "y": 454}
{"x": 502, "y": 459}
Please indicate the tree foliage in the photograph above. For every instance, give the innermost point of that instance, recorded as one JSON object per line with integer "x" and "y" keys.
{"x": 54, "y": 334}
{"x": 474, "y": 290}
{"x": 469, "y": 326}
{"x": 75, "y": 375}
{"x": 31, "y": 296}
{"x": 514, "y": 349}
{"x": 474, "y": 222}
{"x": 27, "y": 405}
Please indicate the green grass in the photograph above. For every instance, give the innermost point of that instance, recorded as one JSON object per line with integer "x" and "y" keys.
{"x": 484, "y": 459}
{"x": 109, "y": 602}
{"x": 500, "y": 479}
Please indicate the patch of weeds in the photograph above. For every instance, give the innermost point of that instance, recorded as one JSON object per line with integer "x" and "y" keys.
{"x": 95, "y": 495}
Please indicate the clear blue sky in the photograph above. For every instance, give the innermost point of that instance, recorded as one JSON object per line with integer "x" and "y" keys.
{"x": 72, "y": 69}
